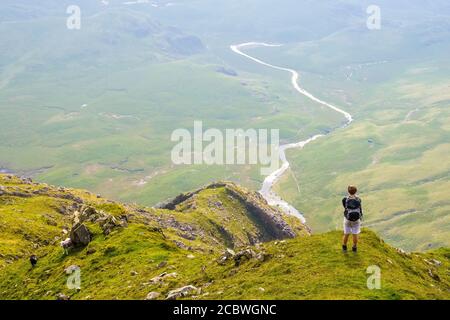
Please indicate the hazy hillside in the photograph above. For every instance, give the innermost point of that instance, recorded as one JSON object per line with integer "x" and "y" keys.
{"x": 136, "y": 253}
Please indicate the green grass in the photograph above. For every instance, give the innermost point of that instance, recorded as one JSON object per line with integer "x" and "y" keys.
{"x": 120, "y": 265}
{"x": 314, "y": 268}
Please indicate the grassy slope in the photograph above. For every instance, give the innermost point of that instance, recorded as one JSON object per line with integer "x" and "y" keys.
{"x": 314, "y": 268}
{"x": 121, "y": 264}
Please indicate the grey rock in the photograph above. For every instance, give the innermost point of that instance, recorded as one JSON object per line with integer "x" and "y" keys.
{"x": 437, "y": 263}
{"x": 181, "y": 292}
{"x": 160, "y": 279}
{"x": 226, "y": 255}
{"x": 80, "y": 235}
{"x": 62, "y": 296}
{"x": 152, "y": 295}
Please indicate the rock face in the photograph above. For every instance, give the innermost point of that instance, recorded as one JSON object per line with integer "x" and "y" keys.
{"x": 80, "y": 235}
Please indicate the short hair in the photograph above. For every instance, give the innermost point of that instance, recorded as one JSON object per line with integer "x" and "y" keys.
{"x": 352, "y": 190}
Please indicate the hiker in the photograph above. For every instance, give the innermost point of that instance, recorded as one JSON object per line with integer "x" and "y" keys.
{"x": 352, "y": 218}
{"x": 33, "y": 260}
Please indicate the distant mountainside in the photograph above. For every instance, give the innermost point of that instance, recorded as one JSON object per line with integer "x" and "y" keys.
{"x": 107, "y": 37}
{"x": 218, "y": 242}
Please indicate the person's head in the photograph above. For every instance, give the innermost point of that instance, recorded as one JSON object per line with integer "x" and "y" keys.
{"x": 352, "y": 190}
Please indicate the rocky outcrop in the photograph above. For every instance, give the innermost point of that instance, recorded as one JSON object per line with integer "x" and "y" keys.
{"x": 269, "y": 220}
{"x": 106, "y": 221}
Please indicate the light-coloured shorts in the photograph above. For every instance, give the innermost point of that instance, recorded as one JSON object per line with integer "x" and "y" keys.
{"x": 352, "y": 227}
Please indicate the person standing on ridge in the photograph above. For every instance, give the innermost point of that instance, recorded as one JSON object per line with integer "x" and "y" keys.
{"x": 352, "y": 218}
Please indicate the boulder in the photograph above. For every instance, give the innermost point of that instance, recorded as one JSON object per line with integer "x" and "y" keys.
{"x": 152, "y": 295}
{"x": 80, "y": 235}
{"x": 181, "y": 292}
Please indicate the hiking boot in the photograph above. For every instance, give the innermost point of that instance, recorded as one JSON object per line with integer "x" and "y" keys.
{"x": 354, "y": 249}
{"x": 344, "y": 248}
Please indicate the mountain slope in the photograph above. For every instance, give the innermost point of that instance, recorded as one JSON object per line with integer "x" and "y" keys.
{"x": 133, "y": 251}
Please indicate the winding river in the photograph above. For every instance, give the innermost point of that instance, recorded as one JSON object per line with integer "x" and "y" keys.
{"x": 269, "y": 182}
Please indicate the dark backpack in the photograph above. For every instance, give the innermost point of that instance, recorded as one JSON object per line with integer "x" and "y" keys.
{"x": 352, "y": 209}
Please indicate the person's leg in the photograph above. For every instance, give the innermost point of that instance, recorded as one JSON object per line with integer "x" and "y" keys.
{"x": 355, "y": 232}
{"x": 355, "y": 240}
{"x": 344, "y": 242}
{"x": 345, "y": 239}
